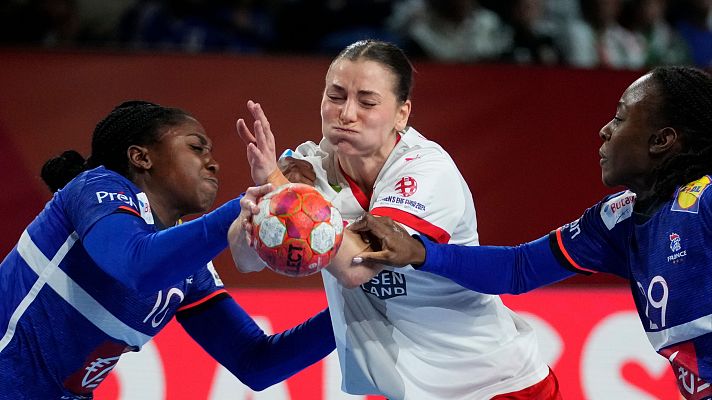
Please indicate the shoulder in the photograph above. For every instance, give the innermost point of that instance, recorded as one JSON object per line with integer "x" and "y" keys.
{"x": 413, "y": 146}
{"x": 97, "y": 177}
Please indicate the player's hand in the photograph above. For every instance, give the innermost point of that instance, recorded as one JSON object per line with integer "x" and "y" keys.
{"x": 239, "y": 234}
{"x": 391, "y": 243}
{"x": 260, "y": 145}
{"x": 297, "y": 171}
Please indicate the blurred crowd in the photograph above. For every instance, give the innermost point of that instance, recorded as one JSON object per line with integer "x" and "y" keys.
{"x": 618, "y": 34}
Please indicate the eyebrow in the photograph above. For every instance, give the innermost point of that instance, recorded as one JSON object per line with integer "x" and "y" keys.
{"x": 360, "y": 92}
{"x": 202, "y": 138}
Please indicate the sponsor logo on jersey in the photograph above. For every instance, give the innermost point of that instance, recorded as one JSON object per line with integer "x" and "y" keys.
{"x": 687, "y": 198}
{"x": 676, "y": 248}
{"x": 103, "y": 196}
{"x": 408, "y": 203}
{"x": 214, "y": 273}
{"x": 145, "y": 208}
{"x": 573, "y": 228}
{"x": 617, "y": 209}
{"x": 407, "y": 159}
{"x": 407, "y": 186}
{"x": 386, "y": 285}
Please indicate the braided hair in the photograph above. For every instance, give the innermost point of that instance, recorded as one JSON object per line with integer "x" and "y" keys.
{"x": 130, "y": 123}
{"x": 686, "y": 105}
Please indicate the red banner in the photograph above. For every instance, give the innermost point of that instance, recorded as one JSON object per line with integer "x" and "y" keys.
{"x": 592, "y": 339}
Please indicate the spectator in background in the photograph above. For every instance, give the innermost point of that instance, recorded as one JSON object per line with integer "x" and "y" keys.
{"x": 451, "y": 30}
{"x": 532, "y": 41}
{"x": 340, "y": 23}
{"x": 692, "y": 19}
{"x": 49, "y": 23}
{"x": 663, "y": 45}
{"x": 198, "y": 25}
{"x": 598, "y": 40}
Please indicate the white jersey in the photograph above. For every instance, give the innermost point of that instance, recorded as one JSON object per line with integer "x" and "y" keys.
{"x": 408, "y": 334}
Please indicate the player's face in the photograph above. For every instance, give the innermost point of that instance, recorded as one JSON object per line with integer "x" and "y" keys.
{"x": 360, "y": 113}
{"x": 183, "y": 172}
{"x": 625, "y": 154}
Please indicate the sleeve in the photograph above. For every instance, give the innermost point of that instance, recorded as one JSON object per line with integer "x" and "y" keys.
{"x": 598, "y": 241}
{"x": 144, "y": 260}
{"x": 97, "y": 195}
{"x": 424, "y": 192}
{"x": 233, "y": 339}
{"x": 204, "y": 285}
{"x": 495, "y": 269}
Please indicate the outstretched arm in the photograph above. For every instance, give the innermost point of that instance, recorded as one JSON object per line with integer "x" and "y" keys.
{"x": 485, "y": 269}
{"x": 258, "y": 360}
{"x": 129, "y": 250}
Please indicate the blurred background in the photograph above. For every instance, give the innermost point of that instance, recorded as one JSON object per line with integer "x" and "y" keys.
{"x": 515, "y": 90}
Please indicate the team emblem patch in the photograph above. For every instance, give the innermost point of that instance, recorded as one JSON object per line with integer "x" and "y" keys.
{"x": 406, "y": 186}
{"x": 687, "y": 198}
{"x": 676, "y": 248}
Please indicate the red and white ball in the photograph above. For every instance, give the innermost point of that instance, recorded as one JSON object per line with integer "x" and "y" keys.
{"x": 297, "y": 231}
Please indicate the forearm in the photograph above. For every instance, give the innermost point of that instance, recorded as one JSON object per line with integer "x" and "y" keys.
{"x": 147, "y": 261}
{"x": 495, "y": 269}
{"x": 230, "y": 336}
{"x": 342, "y": 268}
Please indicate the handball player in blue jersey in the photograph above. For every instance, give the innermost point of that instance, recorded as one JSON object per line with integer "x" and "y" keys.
{"x": 106, "y": 265}
{"x": 657, "y": 234}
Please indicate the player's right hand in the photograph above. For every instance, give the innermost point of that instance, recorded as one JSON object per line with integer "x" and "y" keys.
{"x": 391, "y": 243}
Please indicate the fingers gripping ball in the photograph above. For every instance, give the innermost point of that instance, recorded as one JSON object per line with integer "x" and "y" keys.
{"x": 297, "y": 231}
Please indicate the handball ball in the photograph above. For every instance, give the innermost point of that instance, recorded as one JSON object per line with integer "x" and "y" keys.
{"x": 297, "y": 231}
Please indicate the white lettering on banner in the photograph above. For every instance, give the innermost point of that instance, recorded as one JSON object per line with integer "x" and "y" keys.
{"x": 616, "y": 340}
{"x": 140, "y": 375}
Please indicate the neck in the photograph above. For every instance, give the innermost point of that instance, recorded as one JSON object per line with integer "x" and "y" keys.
{"x": 364, "y": 169}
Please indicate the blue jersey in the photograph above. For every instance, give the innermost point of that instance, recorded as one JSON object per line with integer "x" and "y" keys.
{"x": 667, "y": 259}
{"x": 64, "y": 322}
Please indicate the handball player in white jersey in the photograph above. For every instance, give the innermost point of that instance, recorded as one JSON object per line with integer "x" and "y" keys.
{"x": 402, "y": 334}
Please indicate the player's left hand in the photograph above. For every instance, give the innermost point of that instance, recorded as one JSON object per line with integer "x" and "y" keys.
{"x": 391, "y": 243}
{"x": 260, "y": 145}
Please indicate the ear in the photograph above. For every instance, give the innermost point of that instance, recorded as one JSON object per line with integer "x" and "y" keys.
{"x": 402, "y": 115}
{"x": 664, "y": 140}
{"x": 139, "y": 157}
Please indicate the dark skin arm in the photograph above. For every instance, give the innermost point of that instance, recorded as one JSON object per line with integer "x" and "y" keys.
{"x": 392, "y": 244}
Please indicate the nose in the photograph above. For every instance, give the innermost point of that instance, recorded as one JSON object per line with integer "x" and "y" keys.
{"x": 212, "y": 165}
{"x": 348, "y": 112}
{"x": 605, "y": 132}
